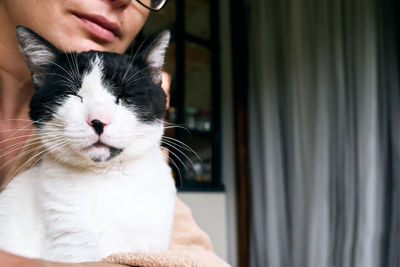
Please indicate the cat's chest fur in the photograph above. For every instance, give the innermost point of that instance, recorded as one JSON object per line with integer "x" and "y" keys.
{"x": 74, "y": 215}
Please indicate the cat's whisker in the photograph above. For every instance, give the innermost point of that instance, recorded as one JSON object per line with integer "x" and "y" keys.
{"x": 176, "y": 126}
{"x": 72, "y": 65}
{"x": 19, "y": 130}
{"x": 169, "y": 142}
{"x": 138, "y": 72}
{"x": 130, "y": 78}
{"x": 35, "y": 133}
{"x": 76, "y": 63}
{"x": 178, "y": 150}
{"x": 36, "y": 136}
{"x": 176, "y": 156}
{"x": 168, "y": 123}
{"x": 16, "y": 147}
{"x": 177, "y": 168}
{"x": 48, "y": 150}
{"x": 75, "y": 66}
{"x": 22, "y": 128}
{"x": 30, "y": 122}
{"x": 69, "y": 74}
{"x": 16, "y": 120}
{"x": 18, "y": 137}
{"x": 138, "y": 79}
{"x": 70, "y": 82}
{"x": 66, "y": 55}
{"x": 132, "y": 59}
{"x": 22, "y": 155}
{"x": 181, "y": 145}
{"x": 179, "y": 127}
{"x": 49, "y": 123}
{"x": 13, "y": 130}
{"x": 69, "y": 51}
{"x": 72, "y": 86}
{"x": 48, "y": 132}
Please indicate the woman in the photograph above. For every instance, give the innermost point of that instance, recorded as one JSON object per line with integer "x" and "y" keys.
{"x": 105, "y": 25}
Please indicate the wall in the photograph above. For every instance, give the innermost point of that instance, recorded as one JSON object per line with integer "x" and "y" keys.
{"x": 209, "y": 212}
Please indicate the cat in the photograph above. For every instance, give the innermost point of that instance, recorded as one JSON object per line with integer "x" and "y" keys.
{"x": 101, "y": 185}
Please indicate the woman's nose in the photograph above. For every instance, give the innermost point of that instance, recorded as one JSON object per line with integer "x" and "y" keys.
{"x": 120, "y": 3}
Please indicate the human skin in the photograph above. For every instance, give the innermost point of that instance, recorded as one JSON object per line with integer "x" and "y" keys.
{"x": 60, "y": 22}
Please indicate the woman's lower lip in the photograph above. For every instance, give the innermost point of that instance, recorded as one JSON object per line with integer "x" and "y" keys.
{"x": 98, "y": 31}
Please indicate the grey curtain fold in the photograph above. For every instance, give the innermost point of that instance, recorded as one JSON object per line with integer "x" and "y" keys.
{"x": 324, "y": 127}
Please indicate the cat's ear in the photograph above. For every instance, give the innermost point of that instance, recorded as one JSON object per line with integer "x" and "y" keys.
{"x": 154, "y": 54}
{"x": 38, "y": 53}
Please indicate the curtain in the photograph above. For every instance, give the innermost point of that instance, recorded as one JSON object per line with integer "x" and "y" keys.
{"x": 324, "y": 114}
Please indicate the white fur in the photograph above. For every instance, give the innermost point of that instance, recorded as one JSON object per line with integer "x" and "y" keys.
{"x": 68, "y": 208}
{"x": 156, "y": 55}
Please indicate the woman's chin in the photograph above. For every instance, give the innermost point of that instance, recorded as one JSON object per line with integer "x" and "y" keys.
{"x": 86, "y": 43}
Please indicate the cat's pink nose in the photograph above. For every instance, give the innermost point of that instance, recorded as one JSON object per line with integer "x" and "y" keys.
{"x": 98, "y": 126}
{"x": 101, "y": 114}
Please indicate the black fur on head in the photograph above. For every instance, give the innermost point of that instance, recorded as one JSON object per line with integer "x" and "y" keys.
{"x": 134, "y": 80}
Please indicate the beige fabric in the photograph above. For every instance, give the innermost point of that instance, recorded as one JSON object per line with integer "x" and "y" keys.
{"x": 189, "y": 247}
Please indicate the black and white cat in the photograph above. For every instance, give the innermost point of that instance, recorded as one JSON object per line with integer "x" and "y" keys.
{"x": 102, "y": 185}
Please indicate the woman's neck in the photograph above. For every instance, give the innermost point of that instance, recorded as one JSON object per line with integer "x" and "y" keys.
{"x": 16, "y": 87}
{"x": 15, "y": 94}
{"x": 16, "y": 90}
{"x": 15, "y": 127}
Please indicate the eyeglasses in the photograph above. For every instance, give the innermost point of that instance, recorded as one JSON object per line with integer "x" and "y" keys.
{"x": 154, "y": 5}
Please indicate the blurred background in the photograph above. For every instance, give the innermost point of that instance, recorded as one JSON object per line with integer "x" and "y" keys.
{"x": 290, "y": 151}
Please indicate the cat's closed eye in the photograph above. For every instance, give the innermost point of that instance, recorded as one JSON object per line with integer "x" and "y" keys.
{"x": 80, "y": 97}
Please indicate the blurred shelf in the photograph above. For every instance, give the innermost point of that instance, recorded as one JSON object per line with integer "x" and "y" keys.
{"x": 198, "y": 40}
{"x": 197, "y": 133}
{"x": 201, "y": 187}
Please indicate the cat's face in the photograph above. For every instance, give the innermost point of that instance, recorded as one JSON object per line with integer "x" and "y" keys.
{"x": 95, "y": 107}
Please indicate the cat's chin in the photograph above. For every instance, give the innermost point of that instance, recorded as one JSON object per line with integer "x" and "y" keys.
{"x": 101, "y": 152}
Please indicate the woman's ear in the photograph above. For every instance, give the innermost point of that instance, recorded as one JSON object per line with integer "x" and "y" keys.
{"x": 38, "y": 53}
